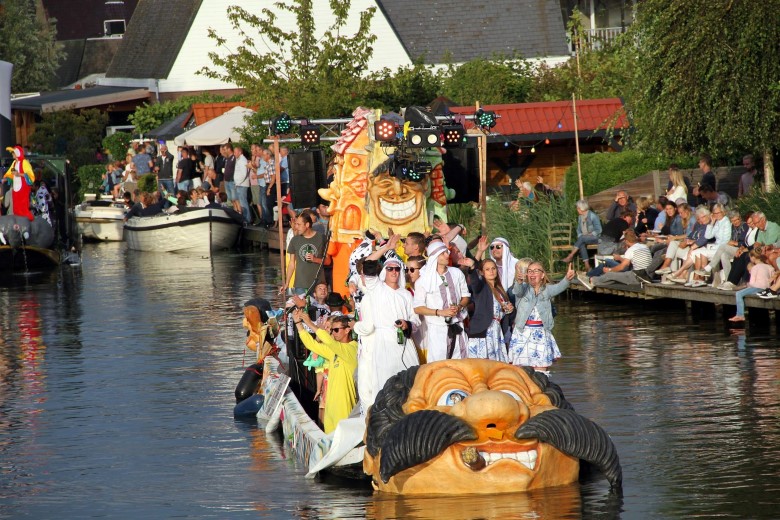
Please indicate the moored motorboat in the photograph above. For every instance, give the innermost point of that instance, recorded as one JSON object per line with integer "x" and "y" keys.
{"x": 102, "y": 220}
{"x": 196, "y": 230}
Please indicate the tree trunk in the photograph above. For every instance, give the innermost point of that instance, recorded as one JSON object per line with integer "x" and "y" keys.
{"x": 769, "y": 171}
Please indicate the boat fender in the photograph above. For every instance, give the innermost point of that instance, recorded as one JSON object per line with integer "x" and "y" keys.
{"x": 249, "y": 382}
{"x": 249, "y": 407}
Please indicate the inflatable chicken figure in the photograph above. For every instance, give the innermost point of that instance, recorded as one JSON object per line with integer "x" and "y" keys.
{"x": 21, "y": 177}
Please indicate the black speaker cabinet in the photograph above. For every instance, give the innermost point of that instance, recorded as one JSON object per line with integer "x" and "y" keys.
{"x": 461, "y": 173}
{"x": 307, "y": 175}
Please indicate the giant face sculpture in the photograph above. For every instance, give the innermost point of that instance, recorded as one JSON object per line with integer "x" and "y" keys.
{"x": 479, "y": 426}
{"x": 396, "y": 204}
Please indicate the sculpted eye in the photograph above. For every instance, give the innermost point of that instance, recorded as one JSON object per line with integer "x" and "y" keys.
{"x": 509, "y": 392}
{"x": 452, "y": 397}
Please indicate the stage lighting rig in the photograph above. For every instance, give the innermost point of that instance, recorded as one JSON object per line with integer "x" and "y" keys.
{"x": 423, "y": 137}
{"x": 485, "y": 119}
{"x": 385, "y": 131}
{"x": 310, "y": 135}
{"x": 281, "y": 124}
{"x": 453, "y": 135}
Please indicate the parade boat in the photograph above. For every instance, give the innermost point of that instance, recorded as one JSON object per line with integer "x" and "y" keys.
{"x": 101, "y": 220}
{"x": 199, "y": 230}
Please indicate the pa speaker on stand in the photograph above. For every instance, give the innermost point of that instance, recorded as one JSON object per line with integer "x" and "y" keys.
{"x": 307, "y": 175}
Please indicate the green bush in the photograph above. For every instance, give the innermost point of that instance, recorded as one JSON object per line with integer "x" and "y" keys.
{"x": 88, "y": 179}
{"x": 147, "y": 182}
{"x": 602, "y": 171}
{"x": 117, "y": 144}
{"x": 768, "y": 203}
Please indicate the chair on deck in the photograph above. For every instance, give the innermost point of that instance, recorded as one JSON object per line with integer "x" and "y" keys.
{"x": 560, "y": 240}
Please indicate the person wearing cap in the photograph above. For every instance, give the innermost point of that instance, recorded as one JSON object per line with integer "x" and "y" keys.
{"x": 440, "y": 298}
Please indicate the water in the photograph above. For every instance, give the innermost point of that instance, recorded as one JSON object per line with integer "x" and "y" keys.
{"x": 116, "y": 396}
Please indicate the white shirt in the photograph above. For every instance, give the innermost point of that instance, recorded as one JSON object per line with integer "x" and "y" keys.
{"x": 433, "y": 300}
{"x": 241, "y": 175}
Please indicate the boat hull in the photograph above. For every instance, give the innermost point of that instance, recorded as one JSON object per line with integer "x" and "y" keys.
{"x": 199, "y": 230}
{"x": 27, "y": 258}
{"x": 101, "y": 221}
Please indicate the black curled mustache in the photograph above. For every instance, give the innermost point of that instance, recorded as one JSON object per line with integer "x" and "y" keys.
{"x": 579, "y": 437}
{"x": 419, "y": 437}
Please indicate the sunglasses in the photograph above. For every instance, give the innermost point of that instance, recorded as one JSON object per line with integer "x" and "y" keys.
{"x": 412, "y": 269}
{"x": 391, "y": 269}
{"x": 338, "y": 329}
{"x": 496, "y": 246}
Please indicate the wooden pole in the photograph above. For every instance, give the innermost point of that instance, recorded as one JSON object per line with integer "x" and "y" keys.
{"x": 280, "y": 221}
{"x": 482, "y": 158}
{"x": 577, "y": 145}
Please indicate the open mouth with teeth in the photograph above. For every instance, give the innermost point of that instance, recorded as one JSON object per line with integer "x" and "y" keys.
{"x": 399, "y": 212}
{"x": 481, "y": 457}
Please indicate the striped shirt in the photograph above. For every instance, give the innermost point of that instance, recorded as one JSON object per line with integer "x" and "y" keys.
{"x": 639, "y": 255}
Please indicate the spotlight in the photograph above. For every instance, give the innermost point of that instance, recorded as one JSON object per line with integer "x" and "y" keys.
{"x": 452, "y": 135}
{"x": 414, "y": 171}
{"x": 384, "y": 131}
{"x": 423, "y": 138}
{"x": 485, "y": 118}
{"x": 281, "y": 124}
{"x": 310, "y": 135}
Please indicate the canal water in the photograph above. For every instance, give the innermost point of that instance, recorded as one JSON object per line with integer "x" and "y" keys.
{"x": 116, "y": 397}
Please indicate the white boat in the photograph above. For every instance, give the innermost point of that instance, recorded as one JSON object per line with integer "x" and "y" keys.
{"x": 197, "y": 230}
{"x": 100, "y": 219}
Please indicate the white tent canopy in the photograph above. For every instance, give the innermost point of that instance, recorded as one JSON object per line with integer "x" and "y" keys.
{"x": 219, "y": 130}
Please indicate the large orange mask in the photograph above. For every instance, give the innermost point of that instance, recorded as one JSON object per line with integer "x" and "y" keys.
{"x": 396, "y": 204}
{"x": 479, "y": 426}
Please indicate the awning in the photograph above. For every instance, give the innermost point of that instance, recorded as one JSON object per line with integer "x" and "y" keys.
{"x": 220, "y": 130}
{"x": 78, "y": 98}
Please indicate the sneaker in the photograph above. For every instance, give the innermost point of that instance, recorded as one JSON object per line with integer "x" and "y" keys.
{"x": 679, "y": 280}
{"x": 583, "y": 279}
{"x": 767, "y": 294}
{"x": 666, "y": 281}
{"x": 698, "y": 283}
{"x": 702, "y": 272}
{"x": 727, "y": 286}
{"x": 666, "y": 270}
{"x": 689, "y": 283}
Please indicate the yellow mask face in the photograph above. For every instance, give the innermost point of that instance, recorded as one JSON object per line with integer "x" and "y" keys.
{"x": 473, "y": 426}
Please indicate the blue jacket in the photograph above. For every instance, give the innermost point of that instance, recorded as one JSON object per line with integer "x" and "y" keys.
{"x": 594, "y": 224}
{"x": 526, "y": 299}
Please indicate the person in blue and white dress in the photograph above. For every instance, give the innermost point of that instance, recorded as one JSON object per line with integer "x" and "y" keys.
{"x": 532, "y": 342}
{"x": 489, "y": 322}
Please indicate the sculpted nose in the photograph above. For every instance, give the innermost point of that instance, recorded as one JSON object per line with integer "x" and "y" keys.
{"x": 397, "y": 187}
{"x": 493, "y": 409}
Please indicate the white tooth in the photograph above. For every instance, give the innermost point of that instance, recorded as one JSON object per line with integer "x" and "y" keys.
{"x": 512, "y": 456}
{"x": 527, "y": 465}
{"x": 493, "y": 457}
{"x": 523, "y": 456}
{"x": 532, "y": 456}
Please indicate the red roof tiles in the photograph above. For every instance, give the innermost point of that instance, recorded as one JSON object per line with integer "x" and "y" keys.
{"x": 205, "y": 112}
{"x": 544, "y": 118}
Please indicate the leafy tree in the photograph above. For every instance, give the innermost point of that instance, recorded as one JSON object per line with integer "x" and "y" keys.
{"x": 148, "y": 117}
{"x": 117, "y": 144}
{"x": 708, "y": 76}
{"x": 408, "y": 86}
{"x": 77, "y": 135}
{"x": 29, "y": 42}
{"x": 302, "y": 71}
{"x": 489, "y": 81}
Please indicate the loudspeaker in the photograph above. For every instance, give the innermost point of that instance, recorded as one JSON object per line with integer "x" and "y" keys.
{"x": 307, "y": 175}
{"x": 461, "y": 172}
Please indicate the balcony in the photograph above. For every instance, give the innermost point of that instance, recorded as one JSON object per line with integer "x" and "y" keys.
{"x": 596, "y": 39}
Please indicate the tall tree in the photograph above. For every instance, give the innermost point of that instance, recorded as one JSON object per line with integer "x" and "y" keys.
{"x": 28, "y": 41}
{"x": 77, "y": 135}
{"x": 304, "y": 71}
{"x": 489, "y": 81}
{"x": 708, "y": 76}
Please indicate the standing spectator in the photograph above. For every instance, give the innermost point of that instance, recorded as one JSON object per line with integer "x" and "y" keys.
{"x": 184, "y": 172}
{"x": 707, "y": 177}
{"x": 219, "y": 168}
{"x": 241, "y": 179}
{"x": 254, "y": 181}
{"x": 621, "y": 203}
{"x": 143, "y": 161}
{"x": 748, "y": 178}
{"x": 230, "y": 170}
{"x": 306, "y": 254}
{"x": 270, "y": 175}
{"x": 284, "y": 170}
{"x": 164, "y": 168}
{"x": 679, "y": 188}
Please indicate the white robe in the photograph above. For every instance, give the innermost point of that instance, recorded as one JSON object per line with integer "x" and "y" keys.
{"x": 437, "y": 339}
{"x": 380, "y": 356}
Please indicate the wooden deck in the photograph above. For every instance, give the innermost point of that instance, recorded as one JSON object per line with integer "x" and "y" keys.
{"x": 265, "y": 237}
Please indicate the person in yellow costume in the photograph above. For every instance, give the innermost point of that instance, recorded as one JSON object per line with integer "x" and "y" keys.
{"x": 341, "y": 353}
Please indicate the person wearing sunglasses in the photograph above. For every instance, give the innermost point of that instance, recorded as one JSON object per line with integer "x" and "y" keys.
{"x": 532, "y": 343}
{"x": 385, "y": 328}
{"x": 338, "y": 348}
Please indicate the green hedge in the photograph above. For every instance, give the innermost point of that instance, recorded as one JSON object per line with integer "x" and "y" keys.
{"x": 88, "y": 179}
{"x": 602, "y": 171}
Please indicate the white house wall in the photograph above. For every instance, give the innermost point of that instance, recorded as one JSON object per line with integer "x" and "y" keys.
{"x": 388, "y": 51}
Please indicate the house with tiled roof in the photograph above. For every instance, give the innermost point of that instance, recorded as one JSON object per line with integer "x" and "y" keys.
{"x": 167, "y": 40}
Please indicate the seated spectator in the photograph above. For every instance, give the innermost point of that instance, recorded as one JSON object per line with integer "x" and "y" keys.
{"x": 696, "y": 239}
{"x": 588, "y": 232}
{"x": 621, "y": 204}
{"x": 726, "y": 252}
{"x": 612, "y": 232}
{"x": 765, "y": 233}
{"x": 646, "y": 215}
{"x": 718, "y": 233}
{"x": 660, "y": 219}
{"x": 673, "y": 240}
{"x": 629, "y": 268}
{"x": 760, "y": 275}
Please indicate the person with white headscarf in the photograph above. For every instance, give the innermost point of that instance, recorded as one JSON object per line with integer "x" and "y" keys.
{"x": 440, "y": 296}
{"x": 506, "y": 262}
{"x": 385, "y": 326}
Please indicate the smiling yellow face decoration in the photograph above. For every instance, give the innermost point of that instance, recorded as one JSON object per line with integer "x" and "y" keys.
{"x": 479, "y": 426}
